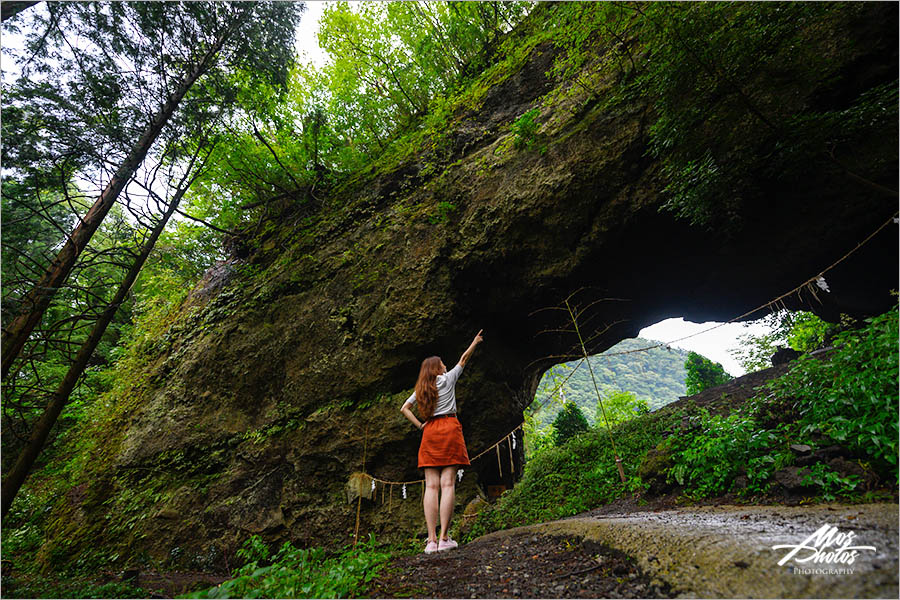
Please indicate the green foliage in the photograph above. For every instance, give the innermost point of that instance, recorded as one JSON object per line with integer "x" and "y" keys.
{"x": 852, "y": 398}
{"x": 442, "y": 212}
{"x": 702, "y": 374}
{"x": 618, "y": 406}
{"x": 579, "y": 475}
{"x": 23, "y": 534}
{"x": 23, "y": 529}
{"x": 253, "y": 550}
{"x": 395, "y": 75}
{"x": 537, "y": 436}
{"x": 849, "y": 399}
{"x": 707, "y": 459}
{"x": 568, "y": 423}
{"x": 110, "y": 92}
{"x": 296, "y": 573}
{"x": 45, "y": 358}
{"x": 831, "y": 482}
{"x": 802, "y": 331}
{"x": 525, "y": 129}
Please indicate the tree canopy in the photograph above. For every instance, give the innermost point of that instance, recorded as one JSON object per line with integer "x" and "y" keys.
{"x": 702, "y": 373}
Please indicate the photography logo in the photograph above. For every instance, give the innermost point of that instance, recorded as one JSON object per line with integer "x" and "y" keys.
{"x": 829, "y": 549}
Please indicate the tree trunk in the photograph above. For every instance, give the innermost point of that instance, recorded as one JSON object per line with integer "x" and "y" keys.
{"x": 38, "y": 299}
{"x": 41, "y": 430}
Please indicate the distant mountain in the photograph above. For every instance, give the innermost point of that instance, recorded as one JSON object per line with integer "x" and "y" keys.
{"x": 655, "y": 375}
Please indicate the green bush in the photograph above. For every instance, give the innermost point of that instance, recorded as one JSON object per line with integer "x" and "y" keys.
{"x": 619, "y": 405}
{"x": 831, "y": 482}
{"x": 707, "y": 460}
{"x": 579, "y": 475}
{"x": 850, "y": 399}
{"x": 300, "y": 573}
{"x": 568, "y": 423}
{"x": 525, "y": 129}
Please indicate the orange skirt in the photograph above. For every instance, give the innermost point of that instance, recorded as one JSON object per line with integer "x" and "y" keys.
{"x": 443, "y": 444}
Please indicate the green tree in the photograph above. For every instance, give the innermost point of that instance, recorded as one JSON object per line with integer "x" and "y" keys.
{"x": 703, "y": 373}
{"x": 803, "y": 331}
{"x": 108, "y": 84}
{"x": 13, "y": 480}
{"x": 568, "y": 423}
{"x": 621, "y": 406}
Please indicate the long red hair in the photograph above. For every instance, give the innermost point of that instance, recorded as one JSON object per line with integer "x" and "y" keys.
{"x": 426, "y": 388}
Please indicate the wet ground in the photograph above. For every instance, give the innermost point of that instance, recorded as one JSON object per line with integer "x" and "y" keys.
{"x": 727, "y": 551}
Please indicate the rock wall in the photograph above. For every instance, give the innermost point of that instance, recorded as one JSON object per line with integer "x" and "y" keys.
{"x": 285, "y": 369}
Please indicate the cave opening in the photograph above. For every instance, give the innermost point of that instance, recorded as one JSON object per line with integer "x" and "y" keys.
{"x": 637, "y": 374}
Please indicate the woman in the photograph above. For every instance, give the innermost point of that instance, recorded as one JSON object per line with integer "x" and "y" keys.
{"x": 443, "y": 448}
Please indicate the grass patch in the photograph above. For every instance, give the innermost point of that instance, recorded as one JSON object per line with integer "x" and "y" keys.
{"x": 561, "y": 481}
{"x": 37, "y": 586}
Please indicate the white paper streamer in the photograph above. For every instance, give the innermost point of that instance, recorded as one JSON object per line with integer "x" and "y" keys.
{"x": 404, "y": 491}
{"x": 514, "y": 440}
{"x": 822, "y": 284}
{"x": 459, "y": 474}
{"x": 373, "y": 485}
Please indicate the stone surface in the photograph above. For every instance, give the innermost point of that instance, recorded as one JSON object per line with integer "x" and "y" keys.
{"x": 727, "y": 551}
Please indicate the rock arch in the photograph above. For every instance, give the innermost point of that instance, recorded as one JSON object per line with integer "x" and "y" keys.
{"x": 272, "y": 389}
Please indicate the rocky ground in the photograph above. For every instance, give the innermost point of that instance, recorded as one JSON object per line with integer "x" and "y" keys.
{"x": 522, "y": 565}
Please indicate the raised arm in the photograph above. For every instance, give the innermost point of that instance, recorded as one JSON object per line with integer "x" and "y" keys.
{"x": 465, "y": 355}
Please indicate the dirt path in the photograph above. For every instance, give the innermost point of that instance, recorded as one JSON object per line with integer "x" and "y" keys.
{"x": 520, "y": 565}
{"x": 708, "y": 551}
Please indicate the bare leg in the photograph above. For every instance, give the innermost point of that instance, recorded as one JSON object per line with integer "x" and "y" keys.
{"x": 448, "y": 498}
{"x": 430, "y": 501}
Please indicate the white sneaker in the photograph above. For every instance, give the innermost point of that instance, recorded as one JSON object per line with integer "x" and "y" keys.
{"x": 448, "y": 544}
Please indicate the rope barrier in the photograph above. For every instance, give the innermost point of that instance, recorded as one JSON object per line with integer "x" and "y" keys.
{"x": 506, "y": 438}
{"x": 806, "y": 284}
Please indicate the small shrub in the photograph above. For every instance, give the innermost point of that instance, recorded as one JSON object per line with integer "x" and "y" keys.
{"x": 849, "y": 399}
{"x": 525, "y": 129}
{"x": 568, "y": 423}
{"x": 831, "y": 482}
{"x": 852, "y": 398}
